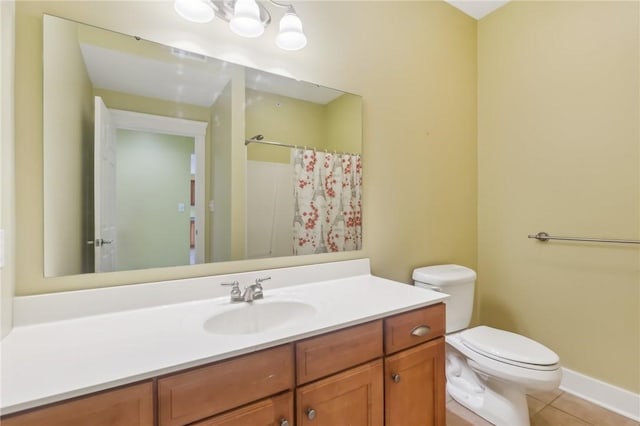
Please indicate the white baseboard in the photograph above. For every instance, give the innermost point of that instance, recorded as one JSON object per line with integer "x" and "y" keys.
{"x": 608, "y": 396}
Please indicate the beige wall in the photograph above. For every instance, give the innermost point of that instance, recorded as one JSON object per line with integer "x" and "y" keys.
{"x": 229, "y": 170}
{"x": 7, "y": 167}
{"x": 336, "y": 126}
{"x": 220, "y": 237}
{"x": 283, "y": 119}
{"x": 238, "y": 155}
{"x": 559, "y": 151}
{"x": 68, "y": 143}
{"x": 418, "y": 82}
{"x": 344, "y": 124}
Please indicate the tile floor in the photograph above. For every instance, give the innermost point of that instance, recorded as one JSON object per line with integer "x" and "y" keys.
{"x": 555, "y": 408}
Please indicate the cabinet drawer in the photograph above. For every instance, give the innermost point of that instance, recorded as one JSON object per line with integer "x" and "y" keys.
{"x": 327, "y": 354}
{"x": 206, "y": 391}
{"x": 127, "y": 406}
{"x": 271, "y": 411}
{"x": 410, "y": 328}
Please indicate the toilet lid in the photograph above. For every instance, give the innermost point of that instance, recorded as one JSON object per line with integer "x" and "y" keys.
{"x": 509, "y": 347}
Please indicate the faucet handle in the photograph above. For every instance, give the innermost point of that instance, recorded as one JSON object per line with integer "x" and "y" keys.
{"x": 236, "y": 294}
{"x": 259, "y": 281}
{"x": 258, "y": 287}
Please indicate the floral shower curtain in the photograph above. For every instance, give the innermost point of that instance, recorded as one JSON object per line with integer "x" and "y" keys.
{"x": 328, "y": 210}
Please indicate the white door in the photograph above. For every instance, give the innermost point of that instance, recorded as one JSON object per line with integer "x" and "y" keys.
{"x": 104, "y": 186}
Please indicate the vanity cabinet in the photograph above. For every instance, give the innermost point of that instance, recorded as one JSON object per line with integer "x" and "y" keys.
{"x": 127, "y": 406}
{"x": 383, "y": 372}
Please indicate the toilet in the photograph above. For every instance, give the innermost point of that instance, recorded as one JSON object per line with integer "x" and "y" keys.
{"x": 488, "y": 370}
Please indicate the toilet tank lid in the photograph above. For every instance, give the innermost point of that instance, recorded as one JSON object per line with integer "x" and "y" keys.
{"x": 442, "y": 275}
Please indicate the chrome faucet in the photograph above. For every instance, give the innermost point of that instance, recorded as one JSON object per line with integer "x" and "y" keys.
{"x": 251, "y": 292}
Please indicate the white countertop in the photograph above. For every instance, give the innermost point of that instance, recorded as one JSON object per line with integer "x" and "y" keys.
{"x": 55, "y": 360}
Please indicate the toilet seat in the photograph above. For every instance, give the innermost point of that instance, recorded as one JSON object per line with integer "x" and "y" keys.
{"x": 510, "y": 348}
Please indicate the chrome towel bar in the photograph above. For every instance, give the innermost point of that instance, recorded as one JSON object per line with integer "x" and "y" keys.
{"x": 543, "y": 236}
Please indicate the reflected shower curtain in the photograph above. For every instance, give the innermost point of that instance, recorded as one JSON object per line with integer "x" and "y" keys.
{"x": 328, "y": 210}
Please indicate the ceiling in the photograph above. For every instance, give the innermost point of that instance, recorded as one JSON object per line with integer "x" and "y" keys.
{"x": 477, "y": 8}
{"x": 186, "y": 78}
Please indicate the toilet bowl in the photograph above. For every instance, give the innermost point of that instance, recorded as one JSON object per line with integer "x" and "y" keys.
{"x": 488, "y": 370}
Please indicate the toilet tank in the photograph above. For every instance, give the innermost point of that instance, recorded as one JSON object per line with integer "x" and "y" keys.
{"x": 458, "y": 282}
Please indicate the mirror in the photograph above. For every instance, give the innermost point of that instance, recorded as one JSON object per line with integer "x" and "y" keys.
{"x": 155, "y": 156}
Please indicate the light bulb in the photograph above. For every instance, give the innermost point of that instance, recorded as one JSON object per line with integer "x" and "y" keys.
{"x": 291, "y": 36}
{"x": 199, "y": 11}
{"x": 246, "y": 19}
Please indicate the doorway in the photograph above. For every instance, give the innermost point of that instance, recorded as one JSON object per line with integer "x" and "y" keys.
{"x": 159, "y": 193}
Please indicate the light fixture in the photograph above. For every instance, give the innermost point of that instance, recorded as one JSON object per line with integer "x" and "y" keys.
{"x": 194, "y": 10}
{"x": 247, "y": 18}
{"x": 291, "y": 36}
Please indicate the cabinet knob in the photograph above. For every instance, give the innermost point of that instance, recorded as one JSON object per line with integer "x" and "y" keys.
{"x": 284, "y": 422}
{"x": 311, "y": 413}
{"x": 395, "y": 377}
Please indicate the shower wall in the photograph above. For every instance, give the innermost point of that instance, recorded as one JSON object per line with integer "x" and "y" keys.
{"x": 559, "y": 151}
{"x": 269, "y": 209}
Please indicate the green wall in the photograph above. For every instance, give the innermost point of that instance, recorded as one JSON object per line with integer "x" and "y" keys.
{"x": 153, "y": 178}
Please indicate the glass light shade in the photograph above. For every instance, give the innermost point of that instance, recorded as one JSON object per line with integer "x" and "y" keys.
{"x": 246, "y": 19}
{"x": 291, "y": 36}
{"x": 199, "y": 11}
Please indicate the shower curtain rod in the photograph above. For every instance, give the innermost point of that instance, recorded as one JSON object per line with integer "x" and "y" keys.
{"x": 543, "y": 236}
{"x": 260, "y": 139}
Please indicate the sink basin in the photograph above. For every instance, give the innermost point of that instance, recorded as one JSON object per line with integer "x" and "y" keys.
{"x": 258, "y": 317}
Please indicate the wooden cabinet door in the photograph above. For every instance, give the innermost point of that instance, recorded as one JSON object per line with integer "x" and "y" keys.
{"x": 415, "y": 386}
{"x": 274, "y": 411}
{"x": 351, "y": 398}
{"x": 127, "y": 406}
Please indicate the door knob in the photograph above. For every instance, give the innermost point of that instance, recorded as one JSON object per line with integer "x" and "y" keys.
{"x": 100, "y": 242}
{"x": 284, "y": 422}
{"x": 395, "y": 377}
